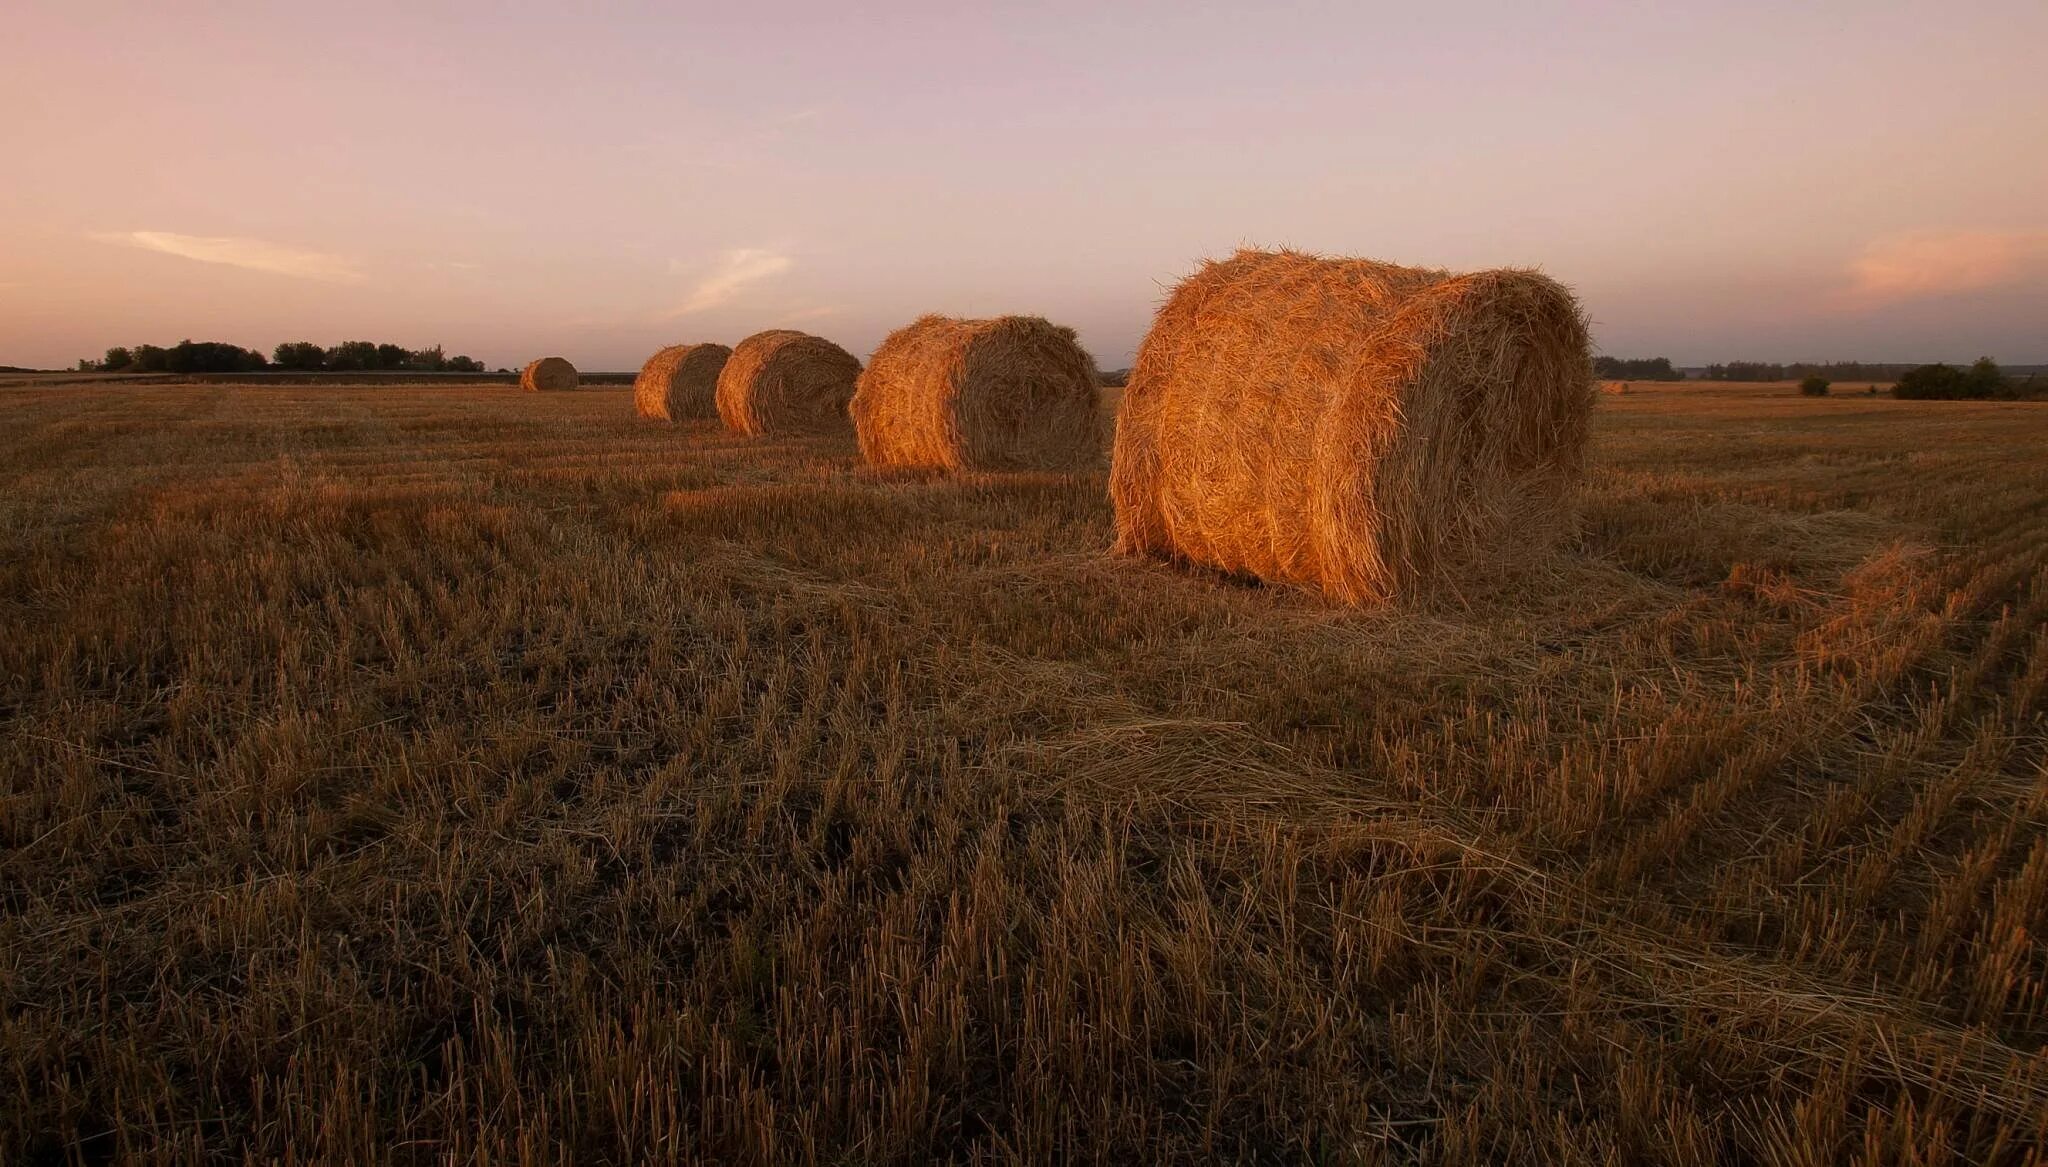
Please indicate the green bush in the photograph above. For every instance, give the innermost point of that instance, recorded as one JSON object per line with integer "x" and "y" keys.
{"x": 1815, "y": 385}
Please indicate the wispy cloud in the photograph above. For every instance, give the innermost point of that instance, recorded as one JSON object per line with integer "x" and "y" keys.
{"x": 1926, "y": 264}
{"x": 253, "y": 254}
{"x": 735, "y": 270}
{"x": 819, "y": 312}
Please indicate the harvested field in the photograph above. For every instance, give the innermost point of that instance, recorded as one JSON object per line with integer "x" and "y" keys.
{"x": 425, "y": 774}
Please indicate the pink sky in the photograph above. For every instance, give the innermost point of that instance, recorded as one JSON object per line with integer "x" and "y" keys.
{"x": 1856, "y": 180}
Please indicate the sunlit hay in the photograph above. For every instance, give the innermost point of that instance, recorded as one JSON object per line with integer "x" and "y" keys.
{"x": 548, "y": 375}
{"x": 1366, "y": 429}
{"x": 680, "y": 382}
{"x": 784, "y": 381}
{"x": 1012, "y": 393}
{"x": 1615, "y": 388}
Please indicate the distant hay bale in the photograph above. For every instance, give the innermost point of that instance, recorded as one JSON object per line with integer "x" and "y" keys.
{"x": 784, "y": 381}
{"x": 548, "y": 375}
{"x": 1363, "y": 428}
{"x": 1615, "y": 388}
{"x": 1012, "y": 393}
{"x": 680, "y": 382}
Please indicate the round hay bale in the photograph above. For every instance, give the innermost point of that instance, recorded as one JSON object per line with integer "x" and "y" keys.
{"x": 1362, "y": 428}
{"x": 784, "y": 381}
{"x": 680, "y": 382}
{"x": 1614, "y": 388}
{"x": 548, "y": 375}
{"x": 1013, "y": 393}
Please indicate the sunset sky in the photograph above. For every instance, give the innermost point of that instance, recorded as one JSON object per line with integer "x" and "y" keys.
{"x": 1760, "y": 180}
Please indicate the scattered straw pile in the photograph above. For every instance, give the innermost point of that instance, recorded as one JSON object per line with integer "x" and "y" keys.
{"x": 548, "y": 375}
{"x": 1013, "y": 393}
{"x": 783, "y": 381}
{"x": 1614, "y": 388}
{"x": 680, "y": 382}
{"x": 1360, "y": 427}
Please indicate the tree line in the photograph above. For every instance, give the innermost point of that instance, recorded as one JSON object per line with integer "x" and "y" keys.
{"x": 1798, "y": 370}
{"x": 1634, "y": 369}
{"x": 213, "y": 356}
{"x": 1661, "y": 369}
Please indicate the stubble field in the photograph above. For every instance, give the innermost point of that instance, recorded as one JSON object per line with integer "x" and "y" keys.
{"x": 456, "y": 775}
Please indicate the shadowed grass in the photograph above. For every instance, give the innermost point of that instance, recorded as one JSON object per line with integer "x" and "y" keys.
{"x": 454, "y": 774}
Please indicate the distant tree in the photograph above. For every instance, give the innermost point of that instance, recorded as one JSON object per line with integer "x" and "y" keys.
{"x": 352, "y": 355}
{"x": 1930, "y": 383}
{"x": 1847, "y": 370}
{"x": 1635, "y": 369}
{"x": 1980, "y": 381}
{"x": 212, "y": 356}
{"x": 427, "y": 360}
{"x": 465, "y": 365}
{"x": 1814, "y": 385}
{"x": 299, "y": 356}
{"x": 149, "y": 358}
{"x": 1746, "y": 371}
{"x": 117, "y": 359}
{"x": 392, "y": 356}
{"x": 1984, "y": 379}
{"x": 1116, "y": 378}
{"x": 88, "y": 365}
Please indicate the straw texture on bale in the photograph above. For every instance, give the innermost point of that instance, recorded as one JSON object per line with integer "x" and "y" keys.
{"x": 783, "y": 381}
{"x": 680, "y": 382}
{"x": 547, "y": 375}
{"x": 1366, "y": 429}
{"x": 1013, "y": 393}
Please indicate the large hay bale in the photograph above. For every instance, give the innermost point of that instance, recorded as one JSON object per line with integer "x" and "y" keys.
{"x": 784, "y": 381}
{"x": 1360, "y": 427}
{"x": 1615, "y": 388}
{"x": 1013, "y": 393}
{"x": 548, "y": 375}
{"x": 680, "y": 382}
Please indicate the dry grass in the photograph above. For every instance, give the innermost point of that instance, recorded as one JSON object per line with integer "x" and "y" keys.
{"x": 548, "y": 375}
{"x": 1011, "y": 393}
{"x": 680, "y": 382}
{"x": 401, "y": 775}
{"x": 1371, "y": 430}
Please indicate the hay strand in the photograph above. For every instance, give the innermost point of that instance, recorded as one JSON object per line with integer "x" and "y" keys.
{"x": 1358, "y": 427}
{"x": 784, "y": 381}
{"x": 548, "y": 375}
{"x": 680, "y": 382}
{"x": 1011, "y": 393}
